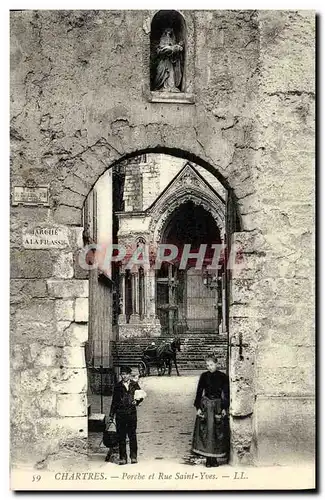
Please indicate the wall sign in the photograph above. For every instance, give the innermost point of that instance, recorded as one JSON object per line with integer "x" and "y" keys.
{"x": 45, "y": 237}
{"x": 30, "y": 195}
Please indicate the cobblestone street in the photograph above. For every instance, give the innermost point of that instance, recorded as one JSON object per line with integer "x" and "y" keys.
{"x": 165, "y": 418}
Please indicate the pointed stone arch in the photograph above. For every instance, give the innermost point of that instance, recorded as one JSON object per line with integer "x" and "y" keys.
{"x": 188, "y": 185}
{"x": 163, "y": 212}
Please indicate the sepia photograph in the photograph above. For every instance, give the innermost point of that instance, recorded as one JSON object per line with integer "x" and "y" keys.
{"x": 162, "y": 250}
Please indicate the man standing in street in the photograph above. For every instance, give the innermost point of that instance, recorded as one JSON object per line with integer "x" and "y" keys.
{"x": 123, "y": 407}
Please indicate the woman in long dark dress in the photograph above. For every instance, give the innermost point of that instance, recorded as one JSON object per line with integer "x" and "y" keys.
{"x": 211, "y": 431}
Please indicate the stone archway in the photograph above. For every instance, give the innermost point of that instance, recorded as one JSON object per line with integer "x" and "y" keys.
{"x": 79, "y": 174}
{"x": 67, "y": 287}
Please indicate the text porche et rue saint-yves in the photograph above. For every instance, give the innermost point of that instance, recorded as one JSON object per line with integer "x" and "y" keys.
{"x": 101, "y": 476}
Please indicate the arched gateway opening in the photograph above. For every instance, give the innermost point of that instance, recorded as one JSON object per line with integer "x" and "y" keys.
{"x": 169, "y": 222}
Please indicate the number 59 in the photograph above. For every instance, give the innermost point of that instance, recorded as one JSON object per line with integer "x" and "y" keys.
{"x": 36, "y": 478}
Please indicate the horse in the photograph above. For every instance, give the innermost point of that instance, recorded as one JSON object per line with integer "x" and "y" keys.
{"x": 167, "y": 352}
{"x": 150, "y": 358}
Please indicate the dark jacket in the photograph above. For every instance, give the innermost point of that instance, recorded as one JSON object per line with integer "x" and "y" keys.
{"x": 213, "y": 385}
{"x": 123, "y": 398}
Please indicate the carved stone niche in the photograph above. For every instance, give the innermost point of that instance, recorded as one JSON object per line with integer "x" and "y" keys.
{"x": 169, "y": 58}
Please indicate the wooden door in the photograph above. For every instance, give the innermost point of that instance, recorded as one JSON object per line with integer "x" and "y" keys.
{"x": 167, "y": 309}
{"x": 201, "y": 302}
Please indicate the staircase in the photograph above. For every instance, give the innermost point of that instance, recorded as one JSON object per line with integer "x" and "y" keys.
{"x": 194, "y": 350}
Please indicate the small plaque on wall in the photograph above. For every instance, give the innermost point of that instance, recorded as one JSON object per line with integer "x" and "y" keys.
{"x": 30, "y": 195}
{"x": 42, "y": 237}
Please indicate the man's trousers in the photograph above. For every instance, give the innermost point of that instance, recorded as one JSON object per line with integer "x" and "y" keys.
{"x": 126, "y": 425}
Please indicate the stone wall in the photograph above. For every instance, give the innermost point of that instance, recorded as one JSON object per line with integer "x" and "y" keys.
{"x": 48, "y": 378}
{"x": 151, "y": 179}
{"x": 79, "y": 103}
{"x": 133, "y": 188}
{"x": 103, "y": 188}
{"x": 285, "y": 373}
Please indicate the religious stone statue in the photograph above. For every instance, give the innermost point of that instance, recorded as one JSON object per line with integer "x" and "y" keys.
{"x": 169, "y": 70}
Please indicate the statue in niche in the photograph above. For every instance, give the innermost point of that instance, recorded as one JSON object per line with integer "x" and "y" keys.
{"x": 169, "y": 69}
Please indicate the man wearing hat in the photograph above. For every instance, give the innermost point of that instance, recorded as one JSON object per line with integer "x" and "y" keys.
{"x": 123, "y": 407}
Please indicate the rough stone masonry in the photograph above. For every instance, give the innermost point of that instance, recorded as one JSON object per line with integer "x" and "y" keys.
{"x": 80, "y": 101}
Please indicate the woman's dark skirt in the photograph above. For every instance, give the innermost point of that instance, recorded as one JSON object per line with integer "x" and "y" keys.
{"x": 211, "y": 433}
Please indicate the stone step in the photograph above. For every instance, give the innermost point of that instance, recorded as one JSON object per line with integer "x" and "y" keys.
{"x": 189, "y": 363}
{"x": 198, "y": 342}
{"x": 193, "y": 338}
{"x": 186, "y": 344}
{"x": 187, "y": 348}
{"x": 191, "y": 341}
{"x": 182, "y": 359}
{"x": 188, "y": 338}
{"x": 135, "y": 361}
{"x": 194, "y": 350}
{"x": 188, "y": 355}
{"x": 182, "y": 368}
{"x": 132, "y": 348}
{"x": 182, "y": 353}
{"x": 203, "y": 351}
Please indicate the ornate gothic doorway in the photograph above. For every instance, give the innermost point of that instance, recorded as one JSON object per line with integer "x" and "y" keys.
{"x": 189, "y": 296}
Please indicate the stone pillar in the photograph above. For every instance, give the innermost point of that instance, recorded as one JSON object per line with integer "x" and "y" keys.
{"x": 144, "y": 294}
{"x": 141, "y": 288}
{"x": 151, "y": 303}
{"x": 223, "y": 302}
{"x": 136, "y": 293}
{"x": 216, "y": 301}
{"x": 244, "y": 325}
{"x": 133, "y": 293}
{"x": 151, "y": 294}
{"x": 69, "y": 376}
{"x": 135, "y": 298}
{"x": 148, "y": 325}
